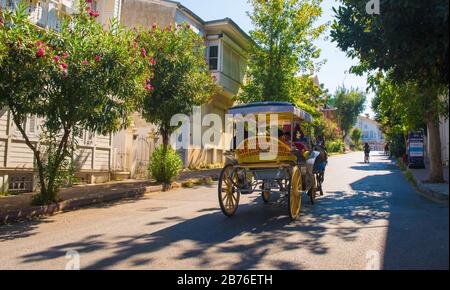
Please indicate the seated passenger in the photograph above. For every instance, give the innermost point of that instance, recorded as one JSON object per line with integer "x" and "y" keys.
{"x": 286, "y": 138}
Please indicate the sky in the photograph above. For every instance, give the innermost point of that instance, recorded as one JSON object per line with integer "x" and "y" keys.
{"x": 333, "y": 73}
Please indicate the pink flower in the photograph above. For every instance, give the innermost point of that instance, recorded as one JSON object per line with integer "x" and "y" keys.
{"x": 85, "y": 62}
{"x": 65, "y": 54}
{"x": 40, "y": 52}
{"x": 56, "y": 58}
{"x": 169, "y": 28}
{"x": 152, "y": 61}
{"x": 88, "y": 1}
{"x": 154, "y": 26}
{"x": 64, "y": 65}
{"x": 39, "y": 43}
{"x": 143, "y": 52}
{"x": 135, "y": 44}
{"x": 93, "y": 13}
{"x": 98, "y": 58}
{"x": 65, "y": 73}
{"x": 179, "y": 26}
{"x": 148, "y": 86}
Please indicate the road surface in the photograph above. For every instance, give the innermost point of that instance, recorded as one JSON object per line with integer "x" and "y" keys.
{"x": 370, "y": 218}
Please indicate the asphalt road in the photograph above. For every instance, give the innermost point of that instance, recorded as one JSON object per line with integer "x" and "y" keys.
{"x": 370, "y": 218}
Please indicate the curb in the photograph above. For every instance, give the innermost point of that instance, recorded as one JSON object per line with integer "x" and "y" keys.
{"x": 73, "y": 204}
{"x": 434, "y": 195}
{"x": 424, "y": 190}
{"x": 15, "y": 215}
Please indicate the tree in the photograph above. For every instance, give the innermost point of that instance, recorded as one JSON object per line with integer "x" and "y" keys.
{"x": 399, "y": 108}
{"x": 308, "y": 95}
{"x": 356, "y": 136}
{"x": 410, "y": 40}
{"x": 350, "y": 103}
{"x": 73, "y": 80}
{"x": 181, "y": 78}
{"x": 283, "y": 47}
{"x": 326, "y": 128}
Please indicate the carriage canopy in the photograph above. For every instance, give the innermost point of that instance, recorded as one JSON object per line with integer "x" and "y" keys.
{"x": 284, "y": 110}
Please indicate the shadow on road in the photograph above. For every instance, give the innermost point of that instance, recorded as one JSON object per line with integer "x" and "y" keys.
{"x": 417, "y": 234}
{"x": 267, "y": 225}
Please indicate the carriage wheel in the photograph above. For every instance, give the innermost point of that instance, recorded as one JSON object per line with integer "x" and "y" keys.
{"x": 295, "y": 194}
{"x": 312, "y": 192}
{"x": 265, "y": 194}
{"x": 228, "y": 193}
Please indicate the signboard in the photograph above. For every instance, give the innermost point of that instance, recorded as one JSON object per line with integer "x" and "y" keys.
{"x": 416, "y": 150}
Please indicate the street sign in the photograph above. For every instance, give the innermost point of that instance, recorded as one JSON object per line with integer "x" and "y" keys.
{"x": 416, "y": 150}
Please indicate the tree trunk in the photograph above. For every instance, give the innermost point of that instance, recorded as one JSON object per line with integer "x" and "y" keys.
{"x": 436, "y": 172}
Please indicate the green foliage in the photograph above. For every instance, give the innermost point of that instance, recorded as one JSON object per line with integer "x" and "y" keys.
{"x": 336, "y": 146}
{"x": 356, "y": 136}
{"x": 181, "y": 78}
{"x": 410, "y": 42}
{"x": 326, "y": 128}
{"x": 398, "y": 107}
{"x": 283, "y": 46}
{"x": 410, "y": 177}
{"x": 165, "y": 165}
{"x": 401, "y": 165}
{"x": 188, "y": 184}
{"x": 73, "y": 80}
{"x": 350, "y": 103}
{"x": 397, "y": 146}
{"x": 410, "y": 37}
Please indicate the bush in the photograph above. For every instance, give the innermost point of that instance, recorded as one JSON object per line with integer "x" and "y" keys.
{"x": 397, "y": 145}
{"x": 336, "y": 146}
{"x": 165, "y": 169}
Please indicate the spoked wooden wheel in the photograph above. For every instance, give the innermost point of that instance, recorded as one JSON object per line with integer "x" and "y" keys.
{"x": 228, "y": 193}
{"x": 265, "y": 193}
{"x": 295, "y": 194}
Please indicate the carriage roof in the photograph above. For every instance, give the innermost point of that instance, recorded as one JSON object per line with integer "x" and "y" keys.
{"x": 281, "y": 108}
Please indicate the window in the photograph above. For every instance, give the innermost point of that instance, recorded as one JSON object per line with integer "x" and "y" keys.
{"x": 32, "y": 124}
{"x": 214, "y": 57}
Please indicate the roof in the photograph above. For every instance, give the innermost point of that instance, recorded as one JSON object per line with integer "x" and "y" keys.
{"x": 270, "y": 107}
{"x": 229, "y": 21}
{"x": 187, "y": 10}
{"x": 203, "y": 22}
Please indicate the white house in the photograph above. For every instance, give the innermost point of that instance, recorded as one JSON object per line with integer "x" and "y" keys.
{"x": 371, "y": 132}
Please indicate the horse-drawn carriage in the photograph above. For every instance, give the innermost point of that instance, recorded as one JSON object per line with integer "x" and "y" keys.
{"x": 260, "y": 162}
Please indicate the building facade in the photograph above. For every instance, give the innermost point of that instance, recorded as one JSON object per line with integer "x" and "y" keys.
{"x": 226, "y": 45}
{"x": 371, "y": 133}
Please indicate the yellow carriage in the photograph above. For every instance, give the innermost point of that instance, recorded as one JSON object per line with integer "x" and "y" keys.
{"x": 278, "y": 162}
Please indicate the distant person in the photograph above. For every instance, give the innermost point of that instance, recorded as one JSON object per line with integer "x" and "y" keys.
{"x": 386, "y": 149}
{"x": 367, "y": 153}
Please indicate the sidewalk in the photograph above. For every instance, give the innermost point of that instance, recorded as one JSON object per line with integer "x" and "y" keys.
{"x": 438, "y": 191}
{"x": 17, "y": 207}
